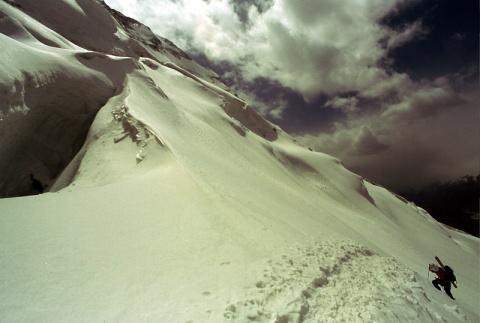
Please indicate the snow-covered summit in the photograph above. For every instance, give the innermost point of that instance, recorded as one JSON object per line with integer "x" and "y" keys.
{"x": 171, "y": 200}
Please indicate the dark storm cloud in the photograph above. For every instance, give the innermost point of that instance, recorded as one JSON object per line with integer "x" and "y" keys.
{"x": 425, "y": 103}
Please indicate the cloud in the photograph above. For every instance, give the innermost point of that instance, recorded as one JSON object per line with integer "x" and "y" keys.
{"x": 245, "y": 10}
{"x": 423, "y": 103}
{"x": 368, "y": 144}
{"x": 307, "y": 51}
{"x": 348, "y": 104}
{"x": 406, "y": 34}
{"x": 432, "y": 135}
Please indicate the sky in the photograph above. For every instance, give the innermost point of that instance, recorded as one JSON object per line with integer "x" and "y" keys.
{"x": 390, "y": 87}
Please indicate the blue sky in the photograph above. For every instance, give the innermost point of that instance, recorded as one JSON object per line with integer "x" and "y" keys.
{"x": 388, "y": 86}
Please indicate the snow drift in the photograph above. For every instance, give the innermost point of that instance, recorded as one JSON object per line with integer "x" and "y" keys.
{"x": 171, "y": 200}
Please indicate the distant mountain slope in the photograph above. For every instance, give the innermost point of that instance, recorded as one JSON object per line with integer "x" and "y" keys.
{"x": 170, "y": 200}
{"x": 454, "y": 203}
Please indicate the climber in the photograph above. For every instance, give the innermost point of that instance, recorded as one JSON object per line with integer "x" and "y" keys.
{"x": 445, "y": 277}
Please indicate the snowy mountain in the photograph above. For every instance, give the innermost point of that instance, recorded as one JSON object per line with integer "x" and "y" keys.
{"x": 171, "y": 200}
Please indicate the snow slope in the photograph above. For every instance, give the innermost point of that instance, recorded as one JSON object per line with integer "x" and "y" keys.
{"x": 171, "y": 200}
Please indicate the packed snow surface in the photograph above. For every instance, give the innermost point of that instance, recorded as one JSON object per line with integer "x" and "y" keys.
{"x": 170, "y": 200}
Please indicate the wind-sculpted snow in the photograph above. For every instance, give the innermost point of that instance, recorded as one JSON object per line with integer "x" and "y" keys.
{"x": 232, "y": 105}
{"x": 334, "y": 281}
{"x": 45, "y": 113}
{"x": 50, "y": 96}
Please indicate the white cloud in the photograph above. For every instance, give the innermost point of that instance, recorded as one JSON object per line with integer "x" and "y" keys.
{"x": 347, "y": 105}
{"x": 407, "y": 33}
